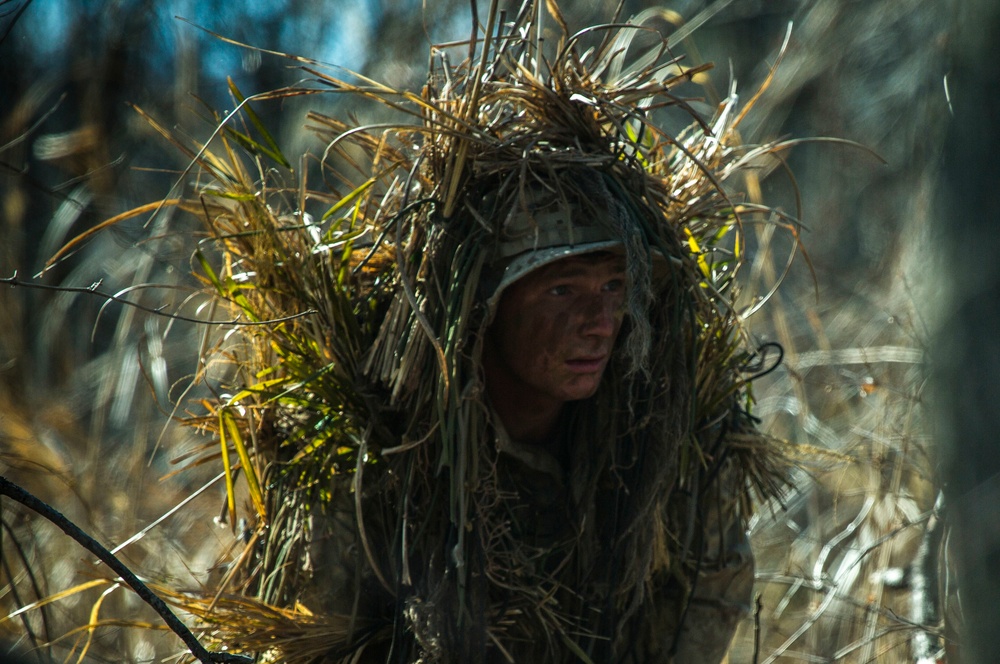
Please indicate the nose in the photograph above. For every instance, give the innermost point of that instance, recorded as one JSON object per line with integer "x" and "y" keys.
{"x": 601, "y": 315}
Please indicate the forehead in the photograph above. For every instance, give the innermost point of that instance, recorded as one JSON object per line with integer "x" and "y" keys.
{"x": 598, "y": 263}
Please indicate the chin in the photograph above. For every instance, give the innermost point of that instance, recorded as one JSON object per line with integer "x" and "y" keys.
{"x": 579, "y": 392}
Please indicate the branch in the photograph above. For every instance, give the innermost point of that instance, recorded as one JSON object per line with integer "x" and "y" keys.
{"x": 8, "y": 488}
{"x": 92, "y": 290}
{"x": 926, "y": 598}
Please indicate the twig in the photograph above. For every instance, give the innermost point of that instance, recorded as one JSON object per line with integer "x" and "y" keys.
{"x": 8, "y": 488}
{"x": 926, "y": 596}
{"x": 758, "y": 607}
{"x": 92, "y": 290}
{"x": 818, "y": 577}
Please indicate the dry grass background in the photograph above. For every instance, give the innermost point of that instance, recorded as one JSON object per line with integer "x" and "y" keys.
{"x": 837, "y": 569}
{"x": 86, "y": 392}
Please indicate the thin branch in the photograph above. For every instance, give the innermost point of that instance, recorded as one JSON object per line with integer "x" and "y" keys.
{"x": 38, "y": 123}
{"x": 758, "y": 607}
{"x": 925, "y": 599}
{"x": 10, "y": 24}
{"x": 92, "y": 290}
{"x": 15, "y": 492}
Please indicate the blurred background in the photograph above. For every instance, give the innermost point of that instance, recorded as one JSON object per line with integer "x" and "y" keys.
{"x": 857, "y": 566}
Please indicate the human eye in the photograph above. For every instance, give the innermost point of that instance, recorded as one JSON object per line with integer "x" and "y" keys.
{"x": 615, "y": 285}
{"x": 559, "y": 290}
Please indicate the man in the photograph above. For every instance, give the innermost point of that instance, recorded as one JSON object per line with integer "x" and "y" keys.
{"x": 573, "y": 498}
{"x": 551, "y": 339}
{"x": 553, "y": 333}
{"x": 519, "y": 429}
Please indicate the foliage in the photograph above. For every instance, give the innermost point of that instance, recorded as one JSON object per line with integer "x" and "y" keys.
{"x": 359, "y": 356}
{"x": 268, "y": 175}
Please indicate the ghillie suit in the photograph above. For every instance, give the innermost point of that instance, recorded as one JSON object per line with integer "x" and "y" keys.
{"x": 390, "y": 526}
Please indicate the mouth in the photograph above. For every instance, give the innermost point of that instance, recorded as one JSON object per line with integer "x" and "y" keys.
{"x": 585, "y": 365}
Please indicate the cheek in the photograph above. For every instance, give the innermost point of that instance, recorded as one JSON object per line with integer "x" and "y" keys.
{"x": 546, "y": 332}
{"x": 534, "y": 341}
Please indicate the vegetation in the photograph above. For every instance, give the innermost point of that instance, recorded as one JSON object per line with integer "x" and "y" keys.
{"x": 851, "y": 382}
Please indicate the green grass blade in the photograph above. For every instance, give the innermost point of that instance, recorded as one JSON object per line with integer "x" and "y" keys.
{"x": 349, "y": 198}
{"x": 227, "y": 468}
{"x": 249, "y": 471}
{"x": 272, "y": 150}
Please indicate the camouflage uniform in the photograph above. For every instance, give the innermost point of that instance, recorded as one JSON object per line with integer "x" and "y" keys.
{"x": 438, "y": 538}
{"x": 544, "y": 493}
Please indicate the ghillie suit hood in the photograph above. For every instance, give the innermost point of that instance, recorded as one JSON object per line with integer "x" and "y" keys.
{"x": 377, "y": 387}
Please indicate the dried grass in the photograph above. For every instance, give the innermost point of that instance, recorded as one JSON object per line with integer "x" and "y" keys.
{"x": 284, "y": 411}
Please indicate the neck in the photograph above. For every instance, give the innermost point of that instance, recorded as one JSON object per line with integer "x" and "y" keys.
{"x": 526, "y": 420}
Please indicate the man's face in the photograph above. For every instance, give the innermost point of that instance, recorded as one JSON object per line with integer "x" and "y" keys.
{"x": 555, "y": 329}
